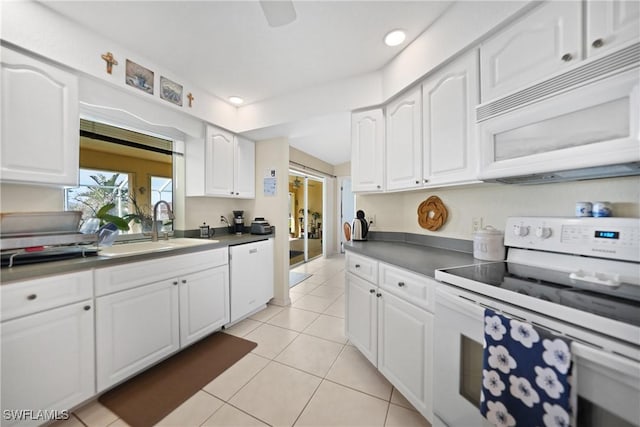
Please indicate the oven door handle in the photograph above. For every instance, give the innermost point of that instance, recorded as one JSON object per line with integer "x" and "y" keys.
{"x": 610, "y": 281}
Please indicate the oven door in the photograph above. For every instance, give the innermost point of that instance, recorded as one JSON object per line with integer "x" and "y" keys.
{"x": 458, "y": 337}
{"x": 608, "y": 384}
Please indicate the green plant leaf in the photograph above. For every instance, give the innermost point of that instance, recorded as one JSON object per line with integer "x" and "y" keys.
{"x": 116, "y": 220}
{"x": 104, "y": 210}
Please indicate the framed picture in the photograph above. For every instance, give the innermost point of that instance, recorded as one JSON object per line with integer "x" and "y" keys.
{"x": 139, "y": 77}
{"x": 170, "y": 91}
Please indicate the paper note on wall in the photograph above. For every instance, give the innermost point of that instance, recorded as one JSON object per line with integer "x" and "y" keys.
{"x": 270, "y": 182}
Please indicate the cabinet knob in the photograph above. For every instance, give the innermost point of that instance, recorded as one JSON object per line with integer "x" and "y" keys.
{"x": 357, "y": 265}
{"x": 32, "y": 297}
{"x": 417, "y": 181}
{"x": 426, "y": 180}
{"x": 597, "y": 43}
{"x": 175, "y": 283}
{"x": 87, "y": 307}
{"x": 567, "y": 57}
{"x": 372, "y": 291}
{"x": 237, "y": 194}
{"x": 378, "y": 294}
{"x": 401, "y": 284}
{"x": 378, "y": 186}
{"x": 231, "y": 192}
{"x": 184, "y": 280}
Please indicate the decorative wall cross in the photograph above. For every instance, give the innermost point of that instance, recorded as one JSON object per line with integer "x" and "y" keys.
{"x": 110, "y": 60}
{"x": 191, "y": 98}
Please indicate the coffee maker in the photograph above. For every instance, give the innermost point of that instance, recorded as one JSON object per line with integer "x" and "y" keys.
{"x": 238, "y": 222}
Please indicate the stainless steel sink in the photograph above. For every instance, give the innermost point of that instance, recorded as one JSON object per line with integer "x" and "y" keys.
{"x": 125, "y": 249}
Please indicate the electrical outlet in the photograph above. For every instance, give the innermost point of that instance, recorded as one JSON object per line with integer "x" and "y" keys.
{"x": 476, "y": 224}
{"x": 371, "y": 219}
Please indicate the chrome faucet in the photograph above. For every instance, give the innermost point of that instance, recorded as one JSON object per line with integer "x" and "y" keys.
{"x": 154, "y": 229}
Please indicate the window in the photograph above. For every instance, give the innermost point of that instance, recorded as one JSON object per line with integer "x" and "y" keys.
{"x": 122, "y": 175}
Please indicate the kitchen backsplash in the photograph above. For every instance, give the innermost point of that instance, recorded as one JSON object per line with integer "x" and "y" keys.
{"x": 495, "y": 202}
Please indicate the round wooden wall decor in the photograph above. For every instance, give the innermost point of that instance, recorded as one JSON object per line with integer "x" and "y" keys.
{"x": 432, "y": 213}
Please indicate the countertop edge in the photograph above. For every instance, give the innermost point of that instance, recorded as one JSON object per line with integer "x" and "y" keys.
{"x": 32, "y": 271}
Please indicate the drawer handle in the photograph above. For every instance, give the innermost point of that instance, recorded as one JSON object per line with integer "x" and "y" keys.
{"x": 32, "y": 297}
{"x": 372, "y": 291}
{"x": 357, "y": 265}
{"x": 597, "y": 43}
{"x": 401, "y": 284}
{"x": 567, "y": 57}
{"x": 87, "y": 307}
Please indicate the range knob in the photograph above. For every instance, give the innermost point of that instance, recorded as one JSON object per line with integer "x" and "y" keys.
{"x": 520, "y": 230}
{"x": 543, "y": 232}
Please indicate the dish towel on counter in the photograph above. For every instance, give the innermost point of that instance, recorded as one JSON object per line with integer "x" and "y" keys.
{"x": 525, "y": 375}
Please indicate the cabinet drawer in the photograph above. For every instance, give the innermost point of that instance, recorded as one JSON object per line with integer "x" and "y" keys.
{"x": 363, "y": 267}
{"x": 127, "y": 276}
{"x": 411, "y": 287}
{"x": 31, "y": 296}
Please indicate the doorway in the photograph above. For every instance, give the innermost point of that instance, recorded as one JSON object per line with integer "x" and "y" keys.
{"x": 306, "y": 204}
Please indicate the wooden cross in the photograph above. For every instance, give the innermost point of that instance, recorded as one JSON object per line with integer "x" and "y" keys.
{"x": 110, "y": 60}
{"x": 191, "y": 98}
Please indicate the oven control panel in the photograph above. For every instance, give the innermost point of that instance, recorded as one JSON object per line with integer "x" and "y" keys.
{"x": 614, "y": 238}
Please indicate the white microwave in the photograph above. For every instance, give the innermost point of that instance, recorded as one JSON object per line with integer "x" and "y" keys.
{"x": 579, "y": 124}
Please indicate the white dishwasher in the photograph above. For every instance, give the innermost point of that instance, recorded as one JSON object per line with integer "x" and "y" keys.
{"x": 251, "y": 277}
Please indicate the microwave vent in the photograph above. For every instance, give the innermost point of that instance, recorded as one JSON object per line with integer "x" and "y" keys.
{"x": 607, "y": 171}
{"x": 600, "y": 68}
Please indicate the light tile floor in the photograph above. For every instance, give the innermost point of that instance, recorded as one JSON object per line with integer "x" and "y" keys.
{"x": 303, "y": 372}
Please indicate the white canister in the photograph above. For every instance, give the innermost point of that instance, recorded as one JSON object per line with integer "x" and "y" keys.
{"x": 601, "y": 209}
{"x": 583, "y": 209}
{"x": 488, "y": 244}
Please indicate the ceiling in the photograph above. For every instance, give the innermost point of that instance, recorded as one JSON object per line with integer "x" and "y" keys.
{"x": 227, "y": 48}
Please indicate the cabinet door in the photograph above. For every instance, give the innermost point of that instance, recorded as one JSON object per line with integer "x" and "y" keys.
{"x": 405, "y": 350}
{"x": 361, "y": 316}
{"x": 251, "y": 282}
{"x": 531, "y": 48}
{"x": 219, "y": 162}
{"x": 404, "y": 142}
{"x": 367, "y": 151}
{"x": 449, "y": 99}
{"x": 134, "y": 329}
{"x": 204, "y": 303}
{"x": 610, "y": 24}
{"x": 48, "y": 360}
{"x": 245, "y": 170}
{"x": 40, "y": 122}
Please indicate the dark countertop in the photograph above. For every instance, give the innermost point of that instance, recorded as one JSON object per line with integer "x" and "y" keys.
{"x": 32, "y": 271}
{"x": 422, "y": 257}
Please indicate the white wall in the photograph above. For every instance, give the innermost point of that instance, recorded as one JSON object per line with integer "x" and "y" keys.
{"x": 495, "y": 202}
{"x": 274, "y": 155}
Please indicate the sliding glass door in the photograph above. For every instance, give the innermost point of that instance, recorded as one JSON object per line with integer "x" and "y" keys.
{"x": 306, "y": 201}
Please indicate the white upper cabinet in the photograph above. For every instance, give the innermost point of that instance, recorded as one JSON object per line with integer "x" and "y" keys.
{"x": 544, "y": 41}
{"x": 245, "y": 169}
{"x": 219, "y": 162}
{"x": 367, "y": 150}
{"x": 404, "y": 142}
{"x": 40, "y": 122}
{"x": 221, "y": 165}
{"x": 610, "y": 24}
{"x": 449, "y": 98}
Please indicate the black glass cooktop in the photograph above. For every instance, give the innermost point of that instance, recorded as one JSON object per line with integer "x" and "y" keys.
{"x": 618, "y": 303}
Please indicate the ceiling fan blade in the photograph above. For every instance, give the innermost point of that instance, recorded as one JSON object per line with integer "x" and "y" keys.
{"x": 278, "y": 12}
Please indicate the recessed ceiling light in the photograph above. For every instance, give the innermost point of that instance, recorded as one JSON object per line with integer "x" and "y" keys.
{"x": 236, "y": 100}
{"x": 395, "y": 37}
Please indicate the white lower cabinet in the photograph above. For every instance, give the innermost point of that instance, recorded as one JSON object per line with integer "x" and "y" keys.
{"x": 134, "y": 329}
{"x": 204, "y": 303}
{"x": 47, "y": 362}
{"x": 392, "y": 328}
{"x": 147, "y": 310}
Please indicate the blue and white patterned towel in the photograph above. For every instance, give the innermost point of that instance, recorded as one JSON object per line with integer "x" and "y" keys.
{"x": 525, "y": 375}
